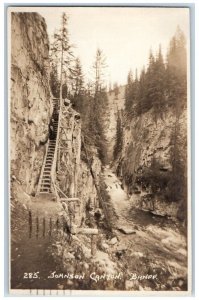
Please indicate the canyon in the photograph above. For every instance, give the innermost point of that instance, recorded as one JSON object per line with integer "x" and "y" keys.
{"x": 133, "y": 233}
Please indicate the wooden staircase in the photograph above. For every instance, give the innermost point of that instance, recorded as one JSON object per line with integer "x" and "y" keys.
{"x": 49, "y": 165}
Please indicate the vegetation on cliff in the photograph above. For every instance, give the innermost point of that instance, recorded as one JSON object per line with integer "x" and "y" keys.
{"x": 159, "y": 94}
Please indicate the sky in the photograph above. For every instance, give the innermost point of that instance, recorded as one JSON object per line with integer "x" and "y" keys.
{"x": 125, "y": 34}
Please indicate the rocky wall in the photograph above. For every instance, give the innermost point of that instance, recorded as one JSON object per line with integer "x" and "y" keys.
{"x": 148, "y": 150}
{"x": 30, "y": 105}
{"x": 74, "y": 176}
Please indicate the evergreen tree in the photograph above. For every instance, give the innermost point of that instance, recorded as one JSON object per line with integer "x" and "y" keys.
{"x": 176, "y": 72}
{"x": 99, "y": 105}
{"x": 116, "y": 89}
{"x": 129, "y": 92}
{"x": 159, "y": 100}
{"x": 54, "y": 81}
{"x": 119, "y": 137}
{"x": 78, "y": 78}
{"x": 141, "y": 94}
{"x": 61, "y": 54}
{"x": 99, "y": 71}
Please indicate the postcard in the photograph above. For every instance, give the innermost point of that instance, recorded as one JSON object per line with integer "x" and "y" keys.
{"x": 99, "y": 150}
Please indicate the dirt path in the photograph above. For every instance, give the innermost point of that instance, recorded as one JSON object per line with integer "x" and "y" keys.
{"x": 151, "y": 243}
{"x": 32, "y": 259}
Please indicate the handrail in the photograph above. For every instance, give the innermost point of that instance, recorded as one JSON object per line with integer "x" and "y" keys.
{"x": 53, "y": 169}
{"x": 42, "y": 169}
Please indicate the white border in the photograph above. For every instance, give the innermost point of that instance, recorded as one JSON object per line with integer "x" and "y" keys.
{"x": 196, "y": 105}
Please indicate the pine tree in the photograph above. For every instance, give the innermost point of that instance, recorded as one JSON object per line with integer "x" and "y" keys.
{"x": 99, "y": 106}
{"x": 78, "y": 90}
{"x": 61, "y": 54}
{"x": 176, "y": 72}
{"x": 116, "y": 89}
{"x": 141, "y": 94}
{"x": 78, "y": 78}
{"x": 129, "y": 92}
{"x": 54, "y": 81}
{"x": 159, "y": 100}
{"x": 119, "y": 137}
{"x": 99, "y": 71}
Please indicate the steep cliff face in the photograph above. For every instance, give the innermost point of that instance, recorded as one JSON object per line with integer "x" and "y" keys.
{"x": 151, "y": 150}
{"x": 74, "y": 175}
{"x": 30, "y": 107}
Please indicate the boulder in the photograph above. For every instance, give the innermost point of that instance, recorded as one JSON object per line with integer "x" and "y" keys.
{"x": 113, "y": 241}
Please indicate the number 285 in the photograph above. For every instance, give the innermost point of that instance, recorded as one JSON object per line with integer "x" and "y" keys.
{"x": 31, "y": 275}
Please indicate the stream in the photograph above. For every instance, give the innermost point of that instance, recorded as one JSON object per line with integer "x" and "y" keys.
{"x": 150, "y": 243}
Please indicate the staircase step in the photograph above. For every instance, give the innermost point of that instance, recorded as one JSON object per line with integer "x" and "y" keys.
{"x": 45, "y": 186}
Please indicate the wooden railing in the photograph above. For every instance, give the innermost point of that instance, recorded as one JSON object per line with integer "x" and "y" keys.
{"x": 42, "y": 169}
{"x": 54, "y": 165}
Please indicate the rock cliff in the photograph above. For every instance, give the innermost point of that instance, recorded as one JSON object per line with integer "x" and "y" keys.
{"x": 146, "y": 163}
{"x": 74, "y": 176}
{"x": 30, "y": 107}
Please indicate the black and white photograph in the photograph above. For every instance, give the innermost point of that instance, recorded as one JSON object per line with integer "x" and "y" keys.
{"x": 99, "y": 150}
